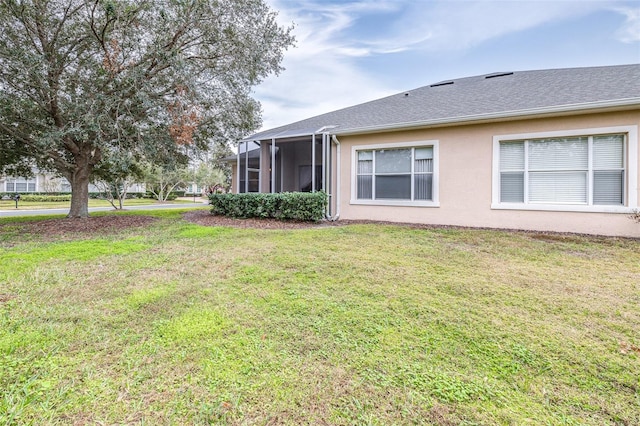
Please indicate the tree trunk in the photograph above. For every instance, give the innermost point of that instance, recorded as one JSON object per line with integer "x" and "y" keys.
{"x": 79, "y": 192}
{"x": 122, "y": 194}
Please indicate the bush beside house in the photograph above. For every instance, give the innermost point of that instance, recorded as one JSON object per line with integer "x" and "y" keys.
{"x": 307, "y": 206}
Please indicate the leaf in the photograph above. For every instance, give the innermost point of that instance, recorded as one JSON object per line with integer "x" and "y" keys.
{"x": 626, "y": 347}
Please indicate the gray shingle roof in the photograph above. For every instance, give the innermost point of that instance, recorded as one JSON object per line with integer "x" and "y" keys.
{"x": 505, "y": 94}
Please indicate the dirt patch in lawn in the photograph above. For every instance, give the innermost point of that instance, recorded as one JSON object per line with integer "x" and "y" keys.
{"x": 4, "y": 298}
{"x": 91, "y": 225}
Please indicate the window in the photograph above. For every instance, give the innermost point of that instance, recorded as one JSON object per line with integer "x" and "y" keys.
{"x": 585, "y": 172}
{"x": 397, "y": 175}
{"x": 20, "y": 185}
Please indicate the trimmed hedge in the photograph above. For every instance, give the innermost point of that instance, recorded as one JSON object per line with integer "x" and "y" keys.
{"x": 12, "y": 193}
{"x": 92, "y": 195}
{"x": 172, "y": 195}
{"x": 130, "y": 195}
{"x": 307, "y": 206}
{"x": 45, "y": 198}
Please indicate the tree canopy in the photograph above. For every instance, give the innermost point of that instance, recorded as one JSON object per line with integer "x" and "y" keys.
{"x": 84, "y": 82}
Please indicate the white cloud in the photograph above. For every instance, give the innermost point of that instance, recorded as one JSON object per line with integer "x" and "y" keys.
{"x": 458, "y": 25}
{"x": 630, "y": 31}
{"x": 323, "y": 73}
{"x": 320, "y": 73}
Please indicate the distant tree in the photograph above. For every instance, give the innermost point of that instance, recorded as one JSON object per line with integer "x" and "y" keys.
{"x": 161, "y": 180}
{"x": 86, "y": 81}
{"x": 217, "y": 160}
{"x": 208, "y": 177}
{"x": 114, "y": 176}
{"x": 51, "y": 184}
{"x": 114, "y": 191}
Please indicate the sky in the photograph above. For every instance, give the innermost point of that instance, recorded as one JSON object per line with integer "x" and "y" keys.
{"x": 349, "y": 52}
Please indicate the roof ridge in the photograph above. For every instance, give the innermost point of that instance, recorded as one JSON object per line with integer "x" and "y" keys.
{"x": 478, "y": 95}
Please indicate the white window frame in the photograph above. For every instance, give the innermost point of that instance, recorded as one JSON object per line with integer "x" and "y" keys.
{"x": 12, "y": 180}
{"x": 630, "y": 164}
{"x": 435, "y": 202}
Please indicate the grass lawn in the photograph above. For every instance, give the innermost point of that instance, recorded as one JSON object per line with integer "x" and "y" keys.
{"x": 36, "y": 205}
{"x": 178, "y": 323}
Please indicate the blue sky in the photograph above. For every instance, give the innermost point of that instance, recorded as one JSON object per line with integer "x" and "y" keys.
{"x": 348, "y": 52}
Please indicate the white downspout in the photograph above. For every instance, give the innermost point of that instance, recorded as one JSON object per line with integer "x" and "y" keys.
{"x": 313, "y": 163}
{"x": 337, "y": 142}
{"x": 325, "y": 186}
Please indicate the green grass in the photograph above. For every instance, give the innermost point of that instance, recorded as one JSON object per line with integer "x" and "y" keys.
{"x": 360, "y": 324}
{"x": 35, "y": 205}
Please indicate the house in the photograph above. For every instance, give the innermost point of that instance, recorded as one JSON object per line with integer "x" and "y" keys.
{"x": 38, "y": 182}
{"x": 44, "y": 182}
{"x": 547, "y": 150}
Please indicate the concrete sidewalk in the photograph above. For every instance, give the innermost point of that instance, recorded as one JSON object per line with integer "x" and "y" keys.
{"x": 40, "y": 212}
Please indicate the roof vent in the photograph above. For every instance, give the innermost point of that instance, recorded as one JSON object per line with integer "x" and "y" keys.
{"x": 442, "y": 83}
{"x": 406, "y": 95}
{"x": 498, "y": 74}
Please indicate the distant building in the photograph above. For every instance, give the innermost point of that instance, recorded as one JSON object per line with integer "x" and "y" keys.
{"x": 47, "y": 182}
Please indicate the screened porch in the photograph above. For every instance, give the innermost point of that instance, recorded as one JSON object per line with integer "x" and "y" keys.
{"x": 285, "y": 164}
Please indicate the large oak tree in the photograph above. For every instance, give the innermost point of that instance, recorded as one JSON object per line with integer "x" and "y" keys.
{"x": 86, "y": 82}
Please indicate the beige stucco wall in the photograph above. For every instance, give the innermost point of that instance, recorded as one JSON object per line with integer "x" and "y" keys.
{"x": 465, "y": 179}
{"x": 234, "y": 178}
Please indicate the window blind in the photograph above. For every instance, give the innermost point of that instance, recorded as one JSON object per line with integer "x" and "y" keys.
{"x": 512, "y": 172}
{"x": 558, "y": 187}
{"x": 512, "y": 156}
{"x": 559, "y": 154}
{"x": 395, "y": 174}
{"x": 575, "y": 170}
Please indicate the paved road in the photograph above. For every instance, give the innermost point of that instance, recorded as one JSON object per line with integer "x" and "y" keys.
{"x": 9, "y": 213}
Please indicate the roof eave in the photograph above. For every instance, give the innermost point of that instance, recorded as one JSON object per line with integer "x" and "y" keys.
{"x": 284, "y": 135}
{"x": 614, "y": 105}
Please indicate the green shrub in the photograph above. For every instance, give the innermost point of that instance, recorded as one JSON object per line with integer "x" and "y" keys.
{"x": 63, "y": 196}
{"x": 13, "y": 193}
{"x": 130, "y": 195}
{"x": 150, "y": 195}
{"x": 45, "y": 198}
{"x": 307, "y": 206}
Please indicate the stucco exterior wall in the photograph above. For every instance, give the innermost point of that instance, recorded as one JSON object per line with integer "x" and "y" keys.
{"x": 234, "y": 178}
{"x": 465, "y": 178}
